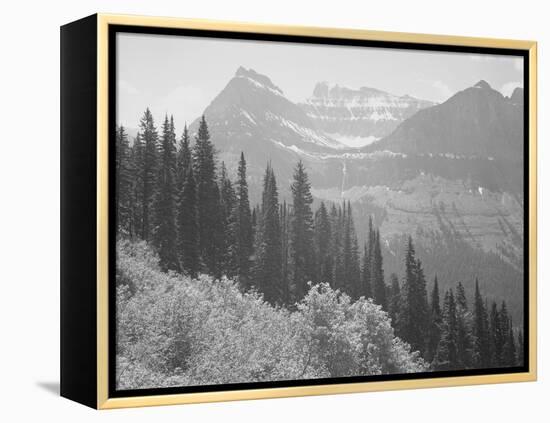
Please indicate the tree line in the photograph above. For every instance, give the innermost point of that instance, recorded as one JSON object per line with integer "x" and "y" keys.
{"x": 174, "y": 195}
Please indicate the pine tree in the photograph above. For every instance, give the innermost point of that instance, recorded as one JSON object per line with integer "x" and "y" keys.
{"x": 435, "y": 322}
{"x": 148, "y": 171}
{"x": 285, "y": 219}
{"x": 355, "y": 271}
{"x": 164, "y": 229}
{"x": 301, "y": 236}
{"x": 481, "y": 355}
{"x": 510, "y": 350}
{"x": 136, "y": 197}
{"x": 414, "y": 322}
{"x": 267, "y": 266}
{"x": 123, "y": 183}
{"x": 208, "y": 201}
{"x": 394, "y": 301}
{"x": 228, "y": 206}
{"x": 186, "y": 213}
{"x": 508, "y": 357}
{"x": 188, "y": 227}
{"x": 464, "y": 335}
{"x": 184, "y": 159}
{"x": 378, "y": 284}
{"x": 521, "y": 348}
{"x": 254, "y": 218}
{"x": 495, "y": 344}
{"x": 368, "y": 258}
{"x": 243, "y": 227}
{"x": 446, "y": 357}
{"x": 350, "y": 253}
{"x": 336, "y": 224}
{"x": 322, "y": 238}
{"x": 366, "y": 288}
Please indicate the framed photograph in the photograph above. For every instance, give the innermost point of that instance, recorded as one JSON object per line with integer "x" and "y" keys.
{"x": 256, "y": 211}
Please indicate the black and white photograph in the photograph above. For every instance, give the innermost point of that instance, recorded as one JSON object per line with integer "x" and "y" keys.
{"x": 296, "y": 211}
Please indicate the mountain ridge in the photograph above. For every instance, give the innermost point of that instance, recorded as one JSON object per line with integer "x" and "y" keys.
{"x": 358, "y": 117}
{"x": 451, "y": 174}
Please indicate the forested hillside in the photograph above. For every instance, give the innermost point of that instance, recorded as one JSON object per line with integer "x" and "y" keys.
{"x": 213, "y": 289}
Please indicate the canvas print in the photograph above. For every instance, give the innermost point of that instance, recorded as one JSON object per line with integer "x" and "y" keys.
{"x": 293, "y": 211}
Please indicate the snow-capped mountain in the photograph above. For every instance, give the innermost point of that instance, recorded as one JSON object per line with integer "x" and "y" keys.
{"x": 449, "y": 174}
{"x": 358, "y": 117}
{"x": 251, "y": 102}
{"x": 252, "y": 114}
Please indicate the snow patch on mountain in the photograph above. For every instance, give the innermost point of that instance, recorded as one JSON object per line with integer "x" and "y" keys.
{"x": 364, "y": 112}
{"x": 308, "y": 135}
{"x": 261, "y": 86}
{"x": 248, "y": 117}
{"x": 353, "y": 141}
{"x": 258, "y": 80}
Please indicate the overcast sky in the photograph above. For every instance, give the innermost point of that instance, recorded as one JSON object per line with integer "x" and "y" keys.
{"x": 181, "y": 75}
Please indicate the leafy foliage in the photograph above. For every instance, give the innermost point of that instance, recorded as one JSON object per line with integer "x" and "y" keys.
{"x": 177, "y": 331}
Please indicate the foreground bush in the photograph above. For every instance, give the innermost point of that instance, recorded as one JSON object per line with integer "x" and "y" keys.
{"x": 174, "y": 331}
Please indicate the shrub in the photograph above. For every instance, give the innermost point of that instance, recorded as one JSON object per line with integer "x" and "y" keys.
{"x": 176, "y": 331}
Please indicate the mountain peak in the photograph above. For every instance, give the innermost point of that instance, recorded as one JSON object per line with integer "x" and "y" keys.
{"x": 323, "y": 88}
{"x": 257, "y": 78}
{"x": 326, "y": 89}
{"x": 483, "y": 84}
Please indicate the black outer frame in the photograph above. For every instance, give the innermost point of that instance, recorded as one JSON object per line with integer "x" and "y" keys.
{"x": 79, "y": 211}
{"x": 114, "y": 29}
{"x": 79, "y": 114}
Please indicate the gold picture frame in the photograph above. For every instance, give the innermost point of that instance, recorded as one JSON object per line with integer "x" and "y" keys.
{"x": 102, "y": 22}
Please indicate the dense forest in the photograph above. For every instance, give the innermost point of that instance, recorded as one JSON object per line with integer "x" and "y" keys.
{"x": 178, "y": 203}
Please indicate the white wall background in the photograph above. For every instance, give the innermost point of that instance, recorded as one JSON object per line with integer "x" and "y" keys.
{"x": 29, "y": 210}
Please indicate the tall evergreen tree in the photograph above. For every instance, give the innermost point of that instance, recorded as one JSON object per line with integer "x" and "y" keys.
{"x": 148, "y": 171}
{"x": 413, "y": 324}
{"x": 228, "y": 205}
{"x": 164, "y": 229}
{"x": 521, "y": 347}
{"x": 435, "y": 322}
{"x": 368, "y": 259}
{"x": 446, "y": 357}
{"x": 267, "y": 266}
{"x": 355, "y": 271}
{"x": 243, "y": 227}
{"x": 322, "y": 238}
{"x": 509, "y": 349}
{"x": 481, "y": 355}
{"x": 505, "y": 338}
{"x": 377, "y": 272}
{"x": 464, "y": 334}
{"x": 301, "y": 236}
{"x": 187, "y": 213}
{"x": 366, "y": 288}
{"x": 350, "y": 254}
{"x": 136, "y": 197}
{"x": 285, "y": 221}
{"x": 394, "y": 300}
{"x": 208, "y": 205}
{"x": 336, "y": 247}
{"x": 188, "y": 227}
{"x": 123, "y": 182}
{"x": 255, "y": 218}
{"x": 495, "y": 338}
{"x": 184, "y": 159}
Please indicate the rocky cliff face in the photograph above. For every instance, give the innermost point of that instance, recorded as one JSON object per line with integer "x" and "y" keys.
{"x": 359, "y": 117}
